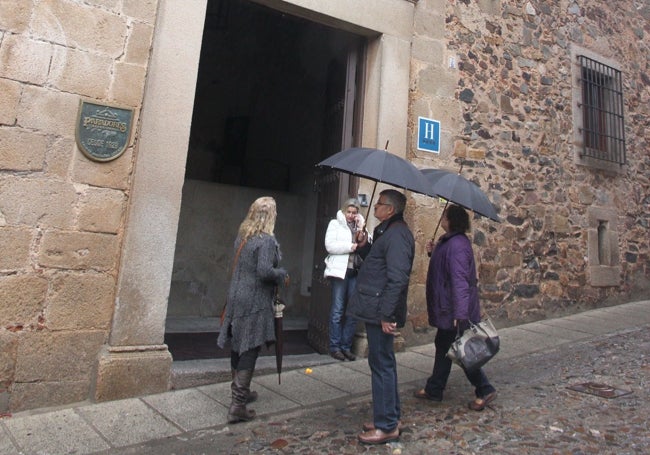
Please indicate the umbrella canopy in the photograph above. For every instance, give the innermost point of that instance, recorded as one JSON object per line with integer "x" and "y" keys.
{"x": 457, "y": 189}
{"x": 380, "y": 166}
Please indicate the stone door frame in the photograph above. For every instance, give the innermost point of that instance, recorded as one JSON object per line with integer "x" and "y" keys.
{"x": 135, "y": 361}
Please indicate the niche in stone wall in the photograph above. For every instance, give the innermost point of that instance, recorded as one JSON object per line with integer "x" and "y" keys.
{"x": 602, "y": 245}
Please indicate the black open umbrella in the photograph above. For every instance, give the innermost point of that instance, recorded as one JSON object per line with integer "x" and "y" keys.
{"x": 455, "y": 188}
{"x": 380, "y": 166}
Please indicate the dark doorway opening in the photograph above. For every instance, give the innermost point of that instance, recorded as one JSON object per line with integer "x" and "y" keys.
{"x": 263, "y": 92}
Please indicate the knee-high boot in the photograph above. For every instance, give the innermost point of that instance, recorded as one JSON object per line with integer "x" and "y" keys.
{"x": 240, "y": 388}
{"x": 252, "y": 395}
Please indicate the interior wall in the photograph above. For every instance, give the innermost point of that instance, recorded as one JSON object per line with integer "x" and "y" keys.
{"x": 210, "y": 217}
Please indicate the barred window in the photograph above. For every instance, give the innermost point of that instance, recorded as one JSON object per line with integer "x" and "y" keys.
{"x": 603, "y": 125}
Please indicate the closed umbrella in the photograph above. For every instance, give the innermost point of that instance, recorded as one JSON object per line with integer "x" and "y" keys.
{"x": 278, "y": 308}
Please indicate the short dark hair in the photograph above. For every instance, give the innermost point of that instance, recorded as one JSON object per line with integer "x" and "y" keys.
{"x": 396, "y": 199}
{"x": 458, "y": 218}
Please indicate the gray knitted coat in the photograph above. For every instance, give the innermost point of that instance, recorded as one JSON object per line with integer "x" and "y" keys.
{"x": 248, "y": 322}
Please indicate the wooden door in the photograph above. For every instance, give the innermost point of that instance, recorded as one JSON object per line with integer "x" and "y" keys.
{"x": 340, "y": 120}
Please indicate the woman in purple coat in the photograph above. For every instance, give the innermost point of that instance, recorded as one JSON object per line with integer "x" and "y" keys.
{"x": 452, "y": 302}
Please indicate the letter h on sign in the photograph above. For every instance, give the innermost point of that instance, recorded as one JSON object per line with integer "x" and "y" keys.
{"x": 428, "y": 135}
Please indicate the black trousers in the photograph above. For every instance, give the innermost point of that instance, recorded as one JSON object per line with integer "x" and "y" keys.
{"x": 442, "y": 368}
{"x": 244, "y": 361}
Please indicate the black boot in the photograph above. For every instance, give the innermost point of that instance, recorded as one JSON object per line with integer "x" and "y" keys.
{"x": 240, "y": 391}
{"x": 252, "y": 395}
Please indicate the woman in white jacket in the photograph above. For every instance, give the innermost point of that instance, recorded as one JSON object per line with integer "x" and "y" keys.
{"x": 340, "y": 243}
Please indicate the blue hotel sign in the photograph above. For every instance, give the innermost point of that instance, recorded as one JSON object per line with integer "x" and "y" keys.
{"x": 428, "y": 135}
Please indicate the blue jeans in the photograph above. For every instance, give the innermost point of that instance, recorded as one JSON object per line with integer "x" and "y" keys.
{"x": 386, "y": 407}
{"x": 442, "y": 368}
{"x": 342, "y": 327}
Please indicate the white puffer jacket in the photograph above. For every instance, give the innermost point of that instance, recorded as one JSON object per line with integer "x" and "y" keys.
{"x": 339, "y": 244}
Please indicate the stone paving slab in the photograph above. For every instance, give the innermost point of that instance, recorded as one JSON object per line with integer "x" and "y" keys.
{"x": 561, "y": 334}
{"x": 190, "y": 409}
{"x": 359, "y": 365}
{"x": 6, "y": 446}
{"x": 346, "y": 379}
{"x": 406, "y": 374}
{"x": 632, "y": 316}
{"x": 417, "y": 361}
{"x": 515, "y": 341}
{"x": 295, "y": 385}
{"x": 269, "y": 402}
{"x": 572, "y": 324}
{"x": 599, "y": 324}
{"x": 425, "y": 349}
{"x": 58, "y": 432}
{"x": 126, "y": 422}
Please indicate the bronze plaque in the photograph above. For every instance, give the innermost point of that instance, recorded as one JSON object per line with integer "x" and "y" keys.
{"x": 103, "y": 131}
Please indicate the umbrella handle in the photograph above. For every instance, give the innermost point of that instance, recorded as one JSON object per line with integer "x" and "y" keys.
{"x": 446, "y": 204}
{"x": 372, "y": 196}
{"x": 439, "y": 220}
{"x": 278, "y": 308}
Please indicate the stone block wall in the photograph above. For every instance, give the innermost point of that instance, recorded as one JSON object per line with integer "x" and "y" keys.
{"x": 61, "y": 215}
{"x": 500, "y": 81}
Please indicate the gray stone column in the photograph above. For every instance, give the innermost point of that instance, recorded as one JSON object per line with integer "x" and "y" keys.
{"x": 135, "y": 361}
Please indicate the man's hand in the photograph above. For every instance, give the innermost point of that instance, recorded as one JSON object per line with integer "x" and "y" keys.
{"x": 389, "y": 328}
{"x": 361, "y": 238}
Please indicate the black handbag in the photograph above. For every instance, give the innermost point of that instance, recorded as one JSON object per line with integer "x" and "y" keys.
{"x": 357, "y": 261}
{"x": 476, "y": 346}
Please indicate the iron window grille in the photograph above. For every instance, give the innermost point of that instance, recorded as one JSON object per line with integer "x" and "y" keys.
{"x": 603, "y": 124}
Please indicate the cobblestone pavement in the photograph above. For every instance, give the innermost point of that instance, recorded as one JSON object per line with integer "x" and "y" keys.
{"x": 535, "y": 412}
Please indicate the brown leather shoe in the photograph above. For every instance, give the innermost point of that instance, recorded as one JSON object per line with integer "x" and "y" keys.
{"x": 480, "y": 403}
{"x": 349, "y": 355}
{"x": 338, "y": 355}
{"x": 377, "y": 436}
{"x": 369, "y": 426}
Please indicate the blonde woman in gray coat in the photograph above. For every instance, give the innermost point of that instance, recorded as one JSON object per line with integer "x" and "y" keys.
{"x": 249, "y": 320}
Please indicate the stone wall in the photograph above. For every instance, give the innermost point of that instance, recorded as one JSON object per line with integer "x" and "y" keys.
{"x": 498, "y": 75}
{"x": 61, "y": 215}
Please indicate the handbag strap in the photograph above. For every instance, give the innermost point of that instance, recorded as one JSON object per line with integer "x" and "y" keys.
{"x": 232, "y": 270}
{"x": 484, "y": 315}
{"x": 236, "y": 258}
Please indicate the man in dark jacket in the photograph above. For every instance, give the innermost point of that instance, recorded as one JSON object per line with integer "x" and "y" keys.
{"x": 380, "y": 301}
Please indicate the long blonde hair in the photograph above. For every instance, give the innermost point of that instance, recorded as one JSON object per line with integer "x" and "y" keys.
{"x": 260, "y": 218}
